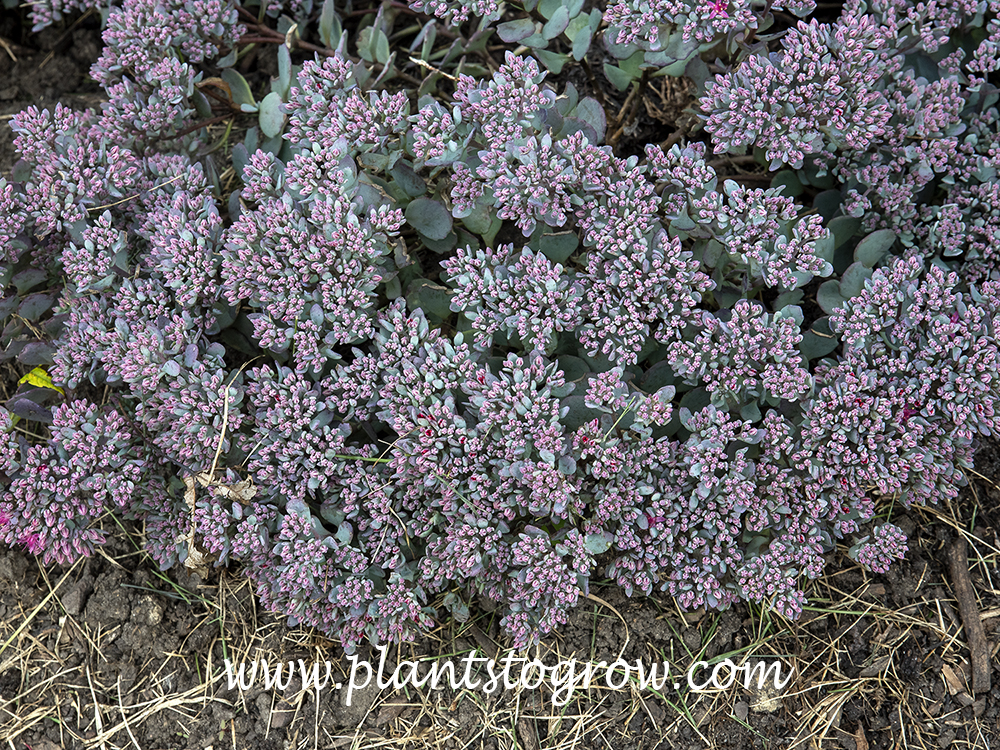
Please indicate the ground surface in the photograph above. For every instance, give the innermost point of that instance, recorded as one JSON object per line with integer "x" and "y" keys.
{"x": 112, "y": 653}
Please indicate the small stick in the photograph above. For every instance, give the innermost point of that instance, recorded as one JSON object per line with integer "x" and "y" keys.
{"x": 961, "y": 583}
{"x": 7, "y": 49}
{"x": 623, "y": 120}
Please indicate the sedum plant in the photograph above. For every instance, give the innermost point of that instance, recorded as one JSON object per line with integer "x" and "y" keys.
{"x": 431, "y": 345}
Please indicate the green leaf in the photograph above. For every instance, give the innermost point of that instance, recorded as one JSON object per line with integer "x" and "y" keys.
{"x": 35, "y": 305}
{"x": 381, "y": 47}
{"x": 465, "y": 239}
{"x": 726, "y": 296}
{"x": 374, "y": 160}
{"x": 633, "y": 64}
{"x": 22, "y": 406}
{"x": 656, "y": 377}
{"x": 844, "y": 228}
{"x": 750, "y": 412}
{"x": 790, "y": 311}
{"x": 411, "y": 183}
{"x": 8, "y": 306}
{"x": 816, "y": 347}
{"x": 427, "y": 45}
{"x": 793, "y": 297}
{"x": 674, "y": 70}
{"x": 618, "y": 77}
{"x": 829, "y": 296}
{"x": 29, "y": 278}
{"x": 240, "y": 90}
{"x": 567, "y": 465}
{"x": 479, "y": 220}
{"x": 515, "y": 31}
{"x": 696, "y": 399}
{"x": 557, "y": 24}
{"x": 250, "y": 139}
{"x": 820, "y": 341}
{"x": 36, "y": 353}
{"x": 573, "y": 368}
{"x": 553, "y": 61}
{"x": 591, "y": 112}
{"x": 579, "y": 413}
{"x": 229, "y": 60}
{"x": 535, "y": 41}
{"x": 787, "y": 179}
{"x": 874, "y": 247}
{"x": 548, "y": 7}
{"x": 329, "y": 25}
{"x": 809, "y": 174}
{"x": 490, "y": 235}
{"x": 697, "y": 70}
{"x": 559, "y": 246}
{"x": 429, "y": 217}
{"x": 568, "y": 101}
{"x": 440, "y": 246}
{"x": 597, "y": 543}
{"x": 827, "y": 203}
{"x": 201, "y": 104}
{"x": 365, "y": 46}
{"x": 283, "y": 83}
{"x": 595, "y": 20}
{"x": 433, "y": 299}
{"x": 581, "y": 34}
{"x": 21, "y": 171}
{"x": 853, "y": 281}
{"x": 270, "y": 117}
{"x": 241, "y": 157}
{"x": 616, "y": 50}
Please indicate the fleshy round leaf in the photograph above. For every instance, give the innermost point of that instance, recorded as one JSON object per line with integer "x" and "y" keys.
{"x": 820, "y": 341}
{"x": 591, "y": 112}
{"x": 557, "y": 24}
{"x": 843, "y": 228}
{"x": 618, "y": 77}
{"x": 35, "y": 305}
{"x": 874, "y": 247}
{"x": 827, "y": 203}
{"x": 429, "y": 217}
{"x": 36, "y": 353}
{"x": 515, "y": 31}
{"x": 433, "y": 299}
{"x": 553, "y": 61}
{"x": 573, "y": 368}
{"x": 329, "y": 25}
{"x": 29, "y": 278}
{"x": 558, "y": 247}
{"x": 23, "y": 407}
{"x": 411, "y": 183}
{"x": 853, "y": 280}
{"x": 240, "y": 90}
{"x": 788, "y": 180}
{"x": 270, "y": 116}
{"x": 829, "y": 296}
{"x": 579, "y": 413}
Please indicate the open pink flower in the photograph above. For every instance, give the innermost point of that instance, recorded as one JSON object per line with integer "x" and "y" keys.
{"x": 719, "y": 8}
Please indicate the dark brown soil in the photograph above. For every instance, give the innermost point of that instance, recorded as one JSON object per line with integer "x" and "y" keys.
{"x": 43, "y": 69}
{"x": 112, "y": 653}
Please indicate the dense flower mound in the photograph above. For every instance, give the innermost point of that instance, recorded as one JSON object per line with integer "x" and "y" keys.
{"x": 422, "y": 349}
